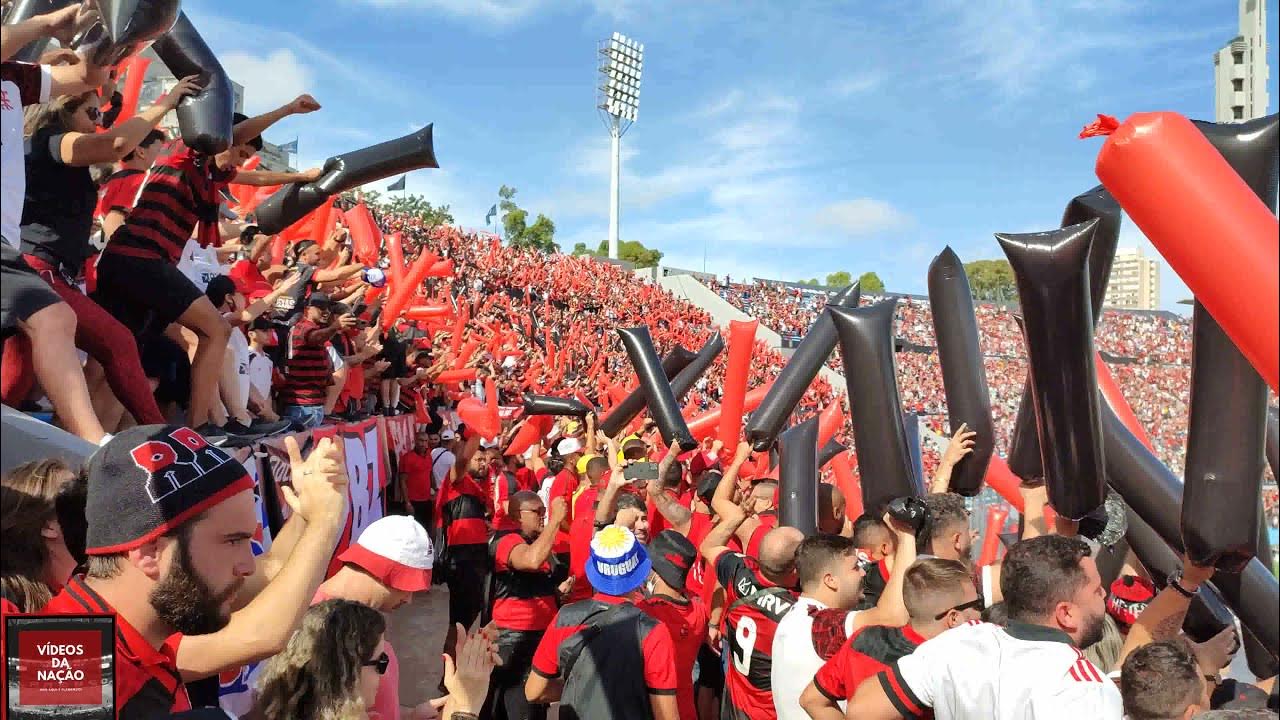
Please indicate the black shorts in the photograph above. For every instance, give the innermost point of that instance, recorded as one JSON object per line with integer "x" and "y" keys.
{"x": 143, "y": 293}
{"x": 23, "y": 293}
{"x": 466, "y": 583}
{"x": 168, "y": 364}
{"x": 710, "y": 669}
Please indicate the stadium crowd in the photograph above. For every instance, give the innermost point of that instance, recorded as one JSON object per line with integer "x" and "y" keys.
{"x": 604, "y": 576}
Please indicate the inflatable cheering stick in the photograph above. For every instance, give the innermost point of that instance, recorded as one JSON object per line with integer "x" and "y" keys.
{"x": 1206, "y": 222}
{"x": 204, "y": 119}
{"x": 1155, "y": 495}
{"x": 1273, "y": 442}
{"x": 684, "y": 380}
{"x": 661, "y": 400}
{"x": 963, "y": 377}
{"x": 798, "y": 477}
{"x": 1225, "y": 439}
{"x": 829, "y": 452}
{"x": 124, "y": 28}
{"x": 631, "y": 405}
{"x": 344, "y": 172}
{"x": 1093, "y": 204}
{"x": 742, "y": 337}
{"x": 866, "y": 343}
{"x": 767, "y": 421}
{"x": 24, "y": 10}
{"x": 550, "y": 405}
{"x": 1051, "y": 269}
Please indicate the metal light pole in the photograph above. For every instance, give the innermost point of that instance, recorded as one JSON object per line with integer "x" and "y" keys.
{"x": 618, "y": 100}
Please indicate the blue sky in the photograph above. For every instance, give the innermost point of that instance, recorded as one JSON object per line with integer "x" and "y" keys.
{"x": 784, "y": 140}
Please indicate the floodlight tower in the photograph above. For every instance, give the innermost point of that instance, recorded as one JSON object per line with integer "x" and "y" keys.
{"x": 618, "y": 99}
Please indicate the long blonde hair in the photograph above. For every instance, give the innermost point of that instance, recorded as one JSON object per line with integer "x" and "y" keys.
{"x": 317, "y": 675}
{"x": 56, "y": 113}
{"x": 29, "y": 495}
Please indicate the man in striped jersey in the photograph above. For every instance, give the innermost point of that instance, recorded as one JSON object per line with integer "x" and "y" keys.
{"x": 1033, "y": 669}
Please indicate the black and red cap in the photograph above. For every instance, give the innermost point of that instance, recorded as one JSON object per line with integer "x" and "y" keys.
{"x": 150, "y": 480}
{"x": 672, "y": 556}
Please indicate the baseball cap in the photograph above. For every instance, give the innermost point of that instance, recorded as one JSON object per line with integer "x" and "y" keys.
{"x": 319, "y": 299}
{"x": 447, "y": 435}
{"x": 582, "y": 463}
{"x": 150, "y": 480}
{"x": 672, "y": 555}
{"x": 396, "y": 551}
{"x": 618, "y": 563}
{"x": 569, "y": 446}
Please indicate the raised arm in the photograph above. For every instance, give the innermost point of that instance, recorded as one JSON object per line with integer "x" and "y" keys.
{"x": 891, "y": 610}
{"x": 255, "y": 126}
{"x": 961, "y": 444}
{"x": 264, "y": 178}
{"x": 1163, "y": 616}
{"x": 529, "y": 557}
{"x": 60, "y": 24}
{"x": 676, "y": 514}
{"x": 722, "y": 502}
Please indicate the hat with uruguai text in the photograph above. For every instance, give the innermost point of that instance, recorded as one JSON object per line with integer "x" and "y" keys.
{"x": 619, "y": 563}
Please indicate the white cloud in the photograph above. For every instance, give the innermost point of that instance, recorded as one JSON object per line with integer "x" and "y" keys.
{"x": 269, "y": 81}
{"x": 862, "y": 216}
{"x": 857, "y": 84}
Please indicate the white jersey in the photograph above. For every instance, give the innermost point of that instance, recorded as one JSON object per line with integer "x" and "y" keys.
{"x": 21, "y": 85}
{"x": 987, "y": 672}
{"x": 795, "y": 659}
{"x": 200, "y": 264}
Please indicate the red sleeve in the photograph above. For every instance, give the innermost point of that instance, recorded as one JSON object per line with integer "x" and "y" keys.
{"x": 659, "y": 661}
{"x": 28, "y": 77}
{"x": 830, "y": 679}
{"x": 559, "y": 488}
{"x": 503, "y": 554}
{"x": 546, "y": 659}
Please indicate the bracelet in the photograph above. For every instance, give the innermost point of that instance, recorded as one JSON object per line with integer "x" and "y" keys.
{"x": 1176, "y": 584}
{"x": 459, "y": 715}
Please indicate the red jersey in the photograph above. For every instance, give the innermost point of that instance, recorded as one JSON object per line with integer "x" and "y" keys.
{"x": 870, "y": 650}
{"x": 564, "y": 485}
{"x": 460, "y": 511}
{"x": 768, "y": 521}
{"x": 521, "y": 600}
{"x": 417, "y": 471}
{"x": 147, "y": 681}
{"x": 753, "y": 608}
{"x": 686, "y": 620}
{"x": 658, "y": 522}
{"x": 581, "y": 530}
{"x": 119, "y": 191}
{"x": 656, "y": 648}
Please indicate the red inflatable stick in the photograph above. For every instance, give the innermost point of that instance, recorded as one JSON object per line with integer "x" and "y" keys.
{"x": 476, "y": 416}
{"x": 395, "y": 259}
{"x": 707, "y": 424}
{"x": 1111, "y": 393}
{"x": 842, "y": 468}
{"x": 426, "y": 312}
{"x": 366, "y": 238}
{"x": 1205, "y": 220}
{"x": 531, "y": 431}
{"x": 1001, "y": 479}
{"x": 491, "y": 404}
{"x": 465, "y": 353}
{"x": 404, "y": 291}
{"x": 450, "y": 377}
{"x": 996, "y": 515}
{"x": 742, "y": 338}
{"x": 441, "y": 268}
{"x": 459, "y": 325}
{"x": 134, "y": 71}
{"x": 830, "y": 421}
{"x": 278, "y": 247}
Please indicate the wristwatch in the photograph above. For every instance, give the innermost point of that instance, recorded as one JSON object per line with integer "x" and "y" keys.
{"x": 1175, "y": 582}
{"x": 463, "y": 716}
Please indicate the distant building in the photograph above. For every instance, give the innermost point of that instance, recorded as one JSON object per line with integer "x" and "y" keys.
{"x": 159, "y": 81}
{"x": 1240, "y": 71}
{"x": 1135, "y": 281}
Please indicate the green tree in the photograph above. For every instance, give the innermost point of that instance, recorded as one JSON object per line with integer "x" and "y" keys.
{"x": 581, "y": 249}
{"x": 991, "y": 280}
{"x": 811, "y": 281}
{"x": 538, "y": 236}
{"x": 418, "y": 206}
{"x": 869, "y": 282}
{"x": 633, "y": 251}
{"x": 840, "y": 278}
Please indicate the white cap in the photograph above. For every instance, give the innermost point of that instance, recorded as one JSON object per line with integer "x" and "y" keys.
{"x": 569, "y": 446}
{"x": 447, "y": 434}
{"x": 396, "y": 550}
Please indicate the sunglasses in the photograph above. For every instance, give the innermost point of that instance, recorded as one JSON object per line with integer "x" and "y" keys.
{"x": 540, "y": 513}
{"x": 379, "y": 664}
{"x": 975, "y": 604}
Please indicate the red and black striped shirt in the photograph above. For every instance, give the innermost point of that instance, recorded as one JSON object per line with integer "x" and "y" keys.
{"x": 307, "y": 374}
{"x": 179, "y": 193}
{"x": 148, "y": 684}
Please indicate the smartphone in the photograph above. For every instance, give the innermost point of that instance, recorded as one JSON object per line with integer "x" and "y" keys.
{"x": 641, "y": 471}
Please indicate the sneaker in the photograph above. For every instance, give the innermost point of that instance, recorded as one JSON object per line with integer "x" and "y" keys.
{"x": 235, "y": 427}
{"x": 213, "y": 434}
{"x": 269, "y": 427}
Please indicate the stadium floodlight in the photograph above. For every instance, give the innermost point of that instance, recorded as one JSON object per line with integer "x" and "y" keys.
{"x": 618, "y": 100}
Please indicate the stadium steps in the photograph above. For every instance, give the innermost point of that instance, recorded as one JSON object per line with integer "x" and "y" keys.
{"x": 721, "y": 311}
